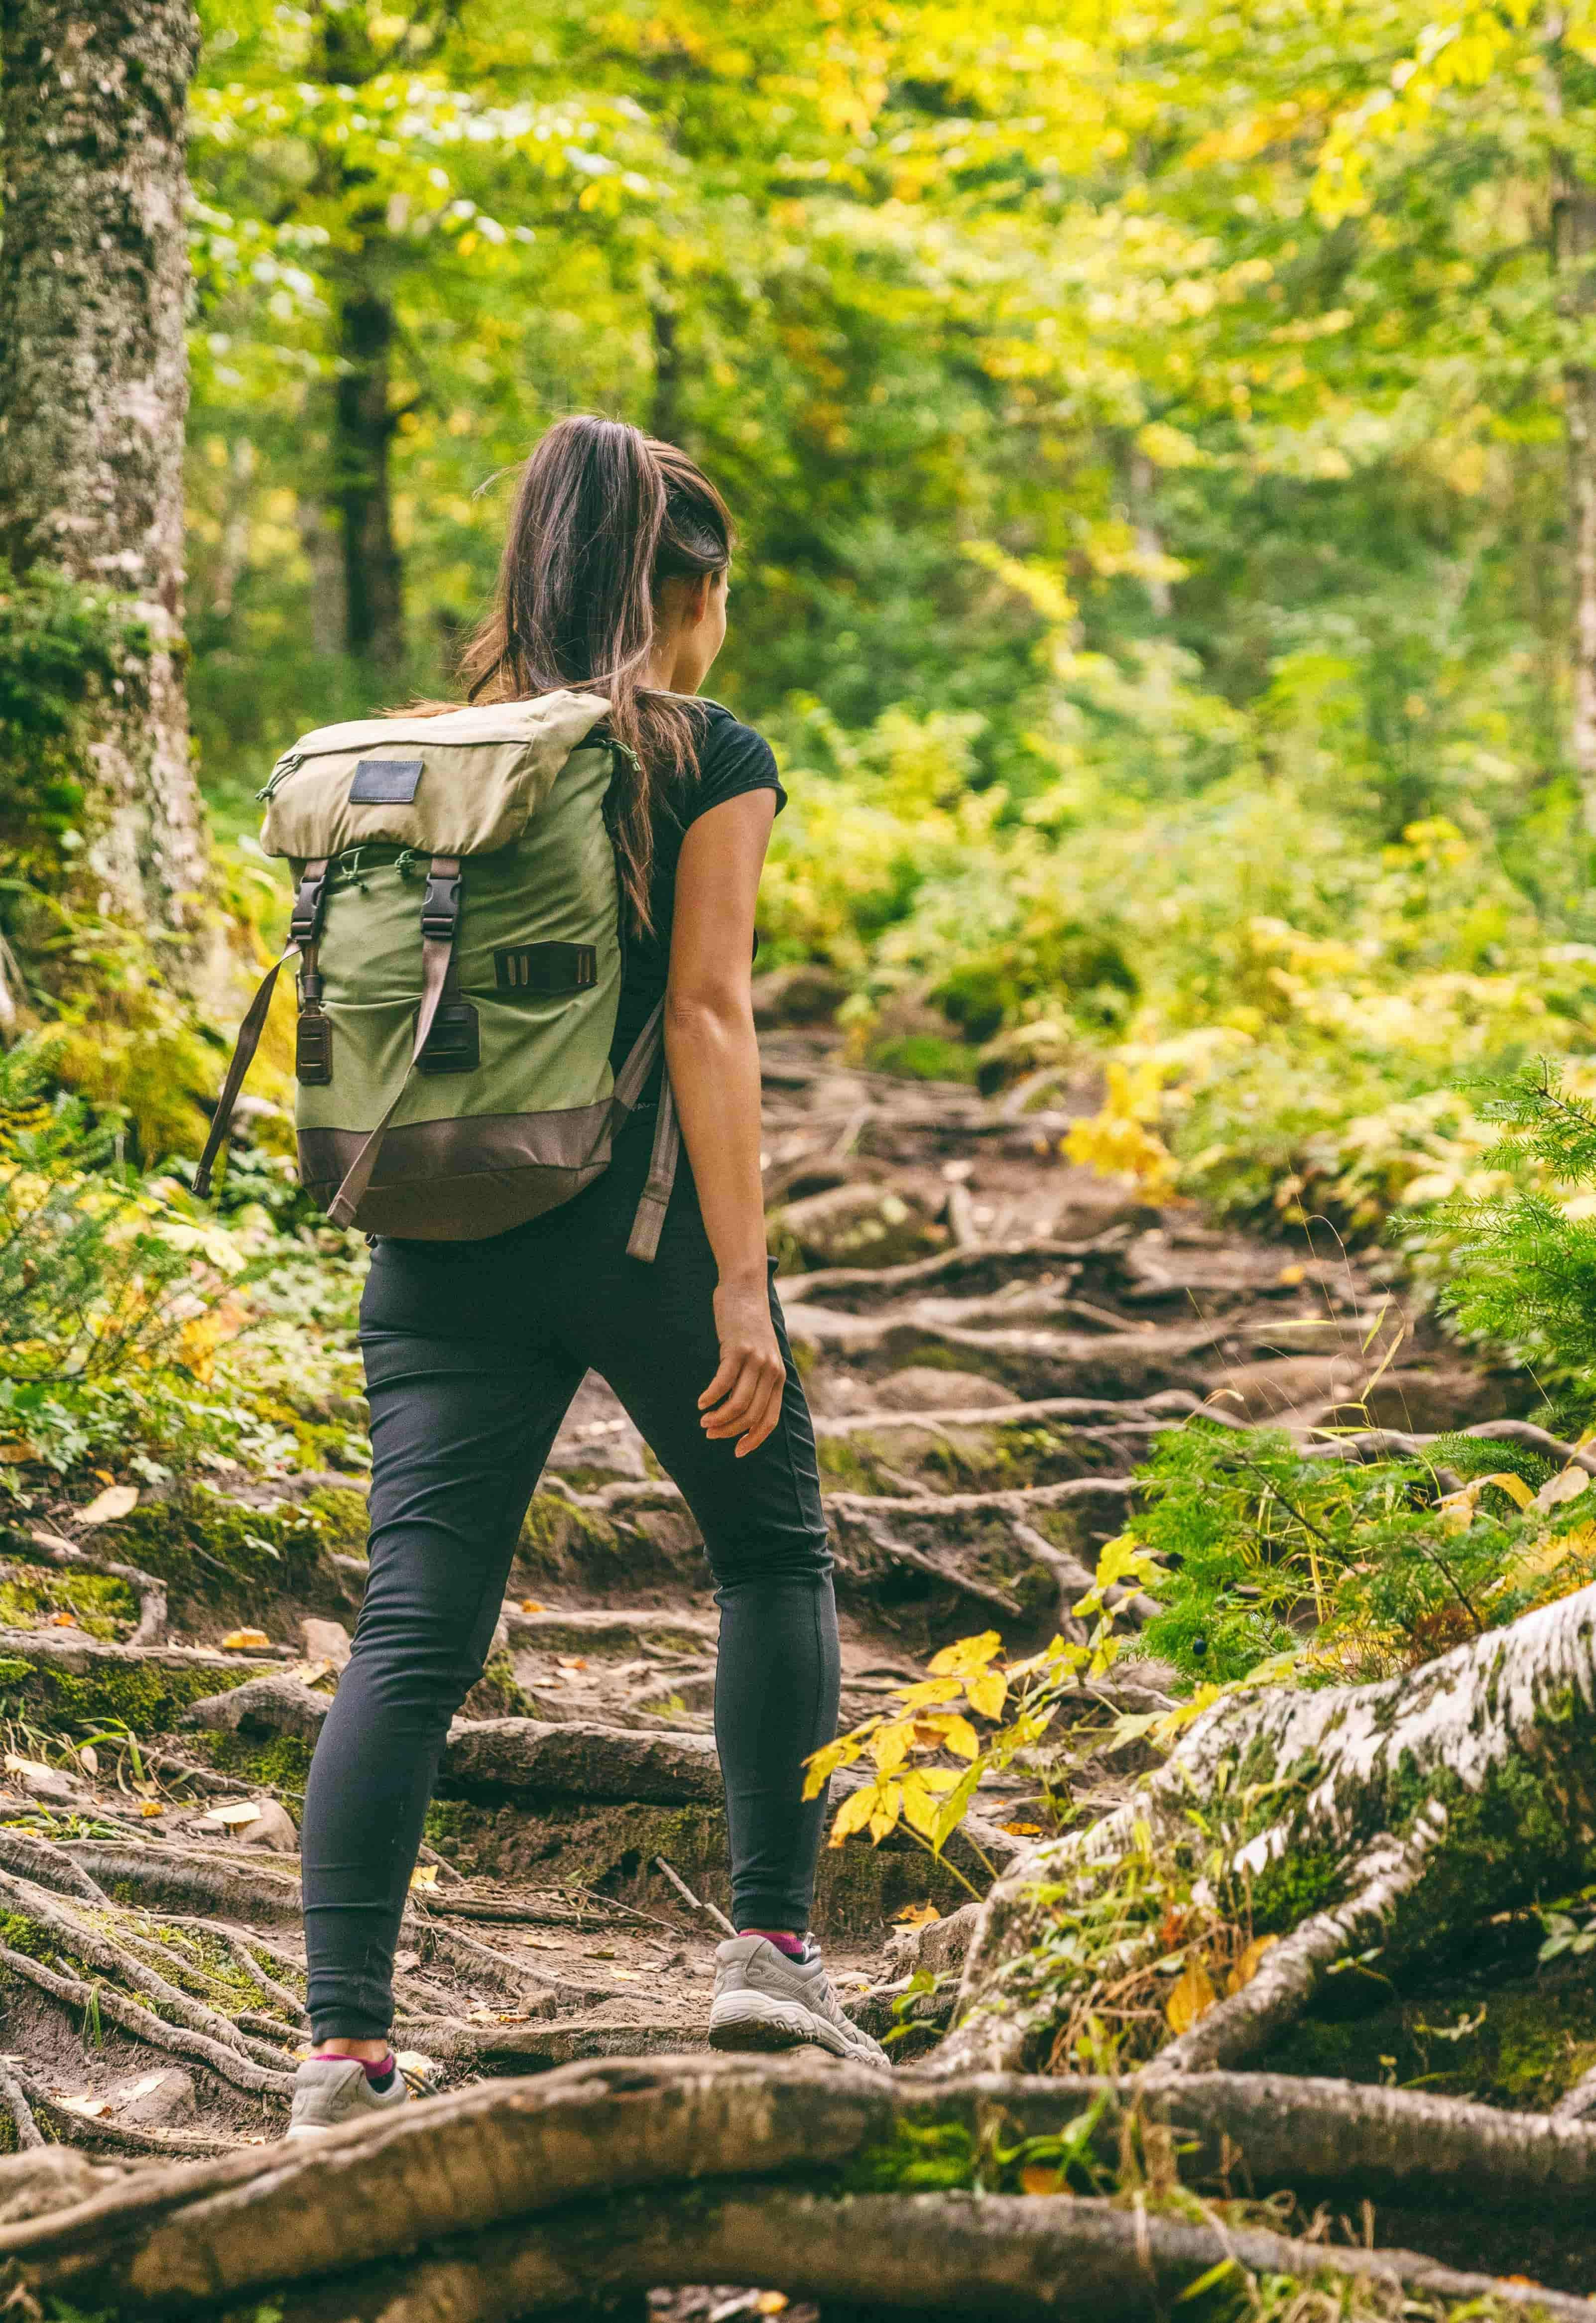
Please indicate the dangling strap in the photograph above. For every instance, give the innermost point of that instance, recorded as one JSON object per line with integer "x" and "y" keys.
{"x": 644, "y": 1240}
{"x": 629, "y": 1084}
{"x": 310, "y": 901}
{"x": 440, "y": 924}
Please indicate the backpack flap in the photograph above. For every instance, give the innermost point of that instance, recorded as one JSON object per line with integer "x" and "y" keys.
{"x": 464, "y": 783}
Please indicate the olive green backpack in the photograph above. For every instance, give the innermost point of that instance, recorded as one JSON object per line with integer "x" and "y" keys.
{"x": 457, "y": 927}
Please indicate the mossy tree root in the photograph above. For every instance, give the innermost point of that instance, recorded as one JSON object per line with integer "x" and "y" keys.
{"x": 49, "y": 1548}
{"x": 520, "y": 2195}
{"x": 1423, "y": 1803}
{"x": 97, "y": 1949}
{"x": 11, "y": 2094}
{"x": 143, "y": 2024}
{"x": 952, "y": 2254}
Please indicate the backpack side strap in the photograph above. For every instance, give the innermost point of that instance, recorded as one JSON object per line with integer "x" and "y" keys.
{"x": 644, "y": 1240}
{"x": 310, "y": 902}
{"x": 440, "y": 925}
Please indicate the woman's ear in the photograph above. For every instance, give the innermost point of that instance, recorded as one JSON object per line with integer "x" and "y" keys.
{"x": 695, "y": 608}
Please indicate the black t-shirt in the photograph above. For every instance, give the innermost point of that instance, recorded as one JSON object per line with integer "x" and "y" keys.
{"x": 732, "y": 758}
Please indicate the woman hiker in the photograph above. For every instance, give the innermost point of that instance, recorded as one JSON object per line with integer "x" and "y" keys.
{"x": 614, "y": 580}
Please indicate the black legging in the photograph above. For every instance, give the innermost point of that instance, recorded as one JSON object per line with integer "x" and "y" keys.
{"x": 472, "y": 1353}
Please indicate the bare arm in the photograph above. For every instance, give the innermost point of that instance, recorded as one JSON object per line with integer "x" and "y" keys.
{"x": 714, "y": 1067}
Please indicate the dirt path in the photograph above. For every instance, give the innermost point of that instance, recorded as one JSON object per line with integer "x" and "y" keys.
{"x": 992, "y": 1346}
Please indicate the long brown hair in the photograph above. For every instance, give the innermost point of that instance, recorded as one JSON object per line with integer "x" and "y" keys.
{"x": 603, "y": 516}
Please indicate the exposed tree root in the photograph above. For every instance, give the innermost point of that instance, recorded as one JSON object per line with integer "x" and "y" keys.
{"x": 28, "y": 2132}
{"x": 1429, "y": 1801}
{"x": 183, "y": 1878}
{"x": 521, "y": 2195}
{"x": 951, "y": 2254}
{"x": 241, "y": 2070}
{"x": 51, "y": 1549}
{"x": 93, "y": 1946}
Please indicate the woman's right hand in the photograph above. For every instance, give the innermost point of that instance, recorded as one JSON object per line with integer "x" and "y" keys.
{"x": 744, "y": 1398}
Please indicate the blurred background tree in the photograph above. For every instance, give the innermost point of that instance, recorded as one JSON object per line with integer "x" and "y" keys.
{"x": 1161, "y": 445}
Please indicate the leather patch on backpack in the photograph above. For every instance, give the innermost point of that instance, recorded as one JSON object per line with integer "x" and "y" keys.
{"x": 313, "y": 1049}
{"x": 546, "y": 968}
{"x": 385, "y": 781}
{"x": 454, "y": 1045}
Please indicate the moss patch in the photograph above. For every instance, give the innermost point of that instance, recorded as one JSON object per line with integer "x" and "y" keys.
{"x": 612, "y": 1848}
{"x": 1519, "y": 2044}
{"x": 100, "y": 1606}
{"x": 224, "y": 1564}
{"x": 144, "y": 1695}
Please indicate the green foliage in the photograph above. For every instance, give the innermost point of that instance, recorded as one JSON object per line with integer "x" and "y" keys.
{"x": 1521, "y": 1263}
{"x": 1272, "y": 1561}
{"x": 136, "y": 1329}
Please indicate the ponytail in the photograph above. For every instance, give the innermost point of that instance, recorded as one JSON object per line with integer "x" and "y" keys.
{"x": 603, "y": 516}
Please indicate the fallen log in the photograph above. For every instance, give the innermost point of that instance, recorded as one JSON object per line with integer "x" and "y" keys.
{"x": 489, "y": 2170}
{"x": 955, "y": 2254}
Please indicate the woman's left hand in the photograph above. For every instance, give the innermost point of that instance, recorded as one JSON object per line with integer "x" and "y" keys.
{"x": 744, "y": 1398}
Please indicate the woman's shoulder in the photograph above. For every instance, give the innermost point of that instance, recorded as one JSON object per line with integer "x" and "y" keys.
{"x": 732, "y": 757}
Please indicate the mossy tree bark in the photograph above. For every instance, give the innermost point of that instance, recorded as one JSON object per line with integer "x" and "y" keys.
{"x": 1384, "y": 1820}
{"x": 94, "y": 280}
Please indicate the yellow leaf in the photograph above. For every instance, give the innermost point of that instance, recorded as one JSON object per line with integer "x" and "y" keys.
{"x": 1023, "y": 1830}
{"x": 889, "y": 1745}
{"x": 424, "y": 1875}
{"x": 1039, "y": 2178}
{"x": 1191, "y": 1997}
{"x": 968, "y": 1654}
{"x": 1514, "y": 1486}
{"x": 988, "y": 1692}
{"x": 236, "y": 1640}
{"x": 1289, "y": 1277}
{"x": 950, "y": 1731}
{"x": 916, "y": 1916}
{"x": 853, "y": 1812}
{"x": 771, "y": 2303}
{"x": 533, "y": 1605}
{"x": 920, "y": 1808}
{"x": 821, "y": 1767}
{"x": 885, "y": 1819}
{"x": 928, "y": 1692}
{"x": 1246, "y": 1967}
{"x": 150, "y": 1807}
{"x": 1566, "y": 1486}
{"x": 116, "y": 1501}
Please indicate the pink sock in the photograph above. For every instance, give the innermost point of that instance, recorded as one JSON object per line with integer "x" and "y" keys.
{"x": 792, "y": 1946}
{"x": 382, "y": 2071}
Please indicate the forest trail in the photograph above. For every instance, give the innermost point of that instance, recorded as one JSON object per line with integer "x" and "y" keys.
{"x": 980, "y": 1400}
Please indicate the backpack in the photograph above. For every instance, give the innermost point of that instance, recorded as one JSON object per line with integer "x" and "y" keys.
{"x": 458, "y": 925}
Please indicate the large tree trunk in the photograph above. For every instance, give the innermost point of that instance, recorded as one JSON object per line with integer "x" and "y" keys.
{"x": 93, "y": 277}
{"x": 364, "y": 426}
{"x": 1422, "y": 1804}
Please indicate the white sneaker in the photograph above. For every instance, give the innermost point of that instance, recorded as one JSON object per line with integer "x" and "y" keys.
{"x": 766, "y": 2000}
{"x": 329, "y": 2092}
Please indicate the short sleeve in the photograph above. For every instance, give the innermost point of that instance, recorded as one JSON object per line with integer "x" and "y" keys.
{"x": 732, "y": 758}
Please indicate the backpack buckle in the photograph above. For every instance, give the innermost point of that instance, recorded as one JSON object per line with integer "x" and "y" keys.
{"x": 440, "y": 906}
{"x": 310, "y": 899}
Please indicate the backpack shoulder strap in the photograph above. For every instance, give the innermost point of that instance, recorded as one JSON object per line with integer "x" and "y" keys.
{"x": 310, "y": 901}
{"x": 440, "y": 925}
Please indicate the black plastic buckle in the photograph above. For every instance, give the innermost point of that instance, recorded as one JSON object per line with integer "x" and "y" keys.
{"x": 440, "y": 906}
{"x": 310, "y": 898}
